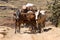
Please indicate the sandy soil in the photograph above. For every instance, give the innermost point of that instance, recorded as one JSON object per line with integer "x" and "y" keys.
{"x": 52, "y": 34}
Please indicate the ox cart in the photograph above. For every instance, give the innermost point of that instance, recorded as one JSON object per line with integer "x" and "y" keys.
{"x": 30, "y": 15}
{"x": 31, "y": 18}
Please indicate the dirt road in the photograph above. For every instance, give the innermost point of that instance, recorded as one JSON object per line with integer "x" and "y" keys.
{"x": 53, "y": 34}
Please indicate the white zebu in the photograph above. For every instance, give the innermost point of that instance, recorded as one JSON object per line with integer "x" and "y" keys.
{"x": 41, "y": 20}
{"x": 37, "y": 13}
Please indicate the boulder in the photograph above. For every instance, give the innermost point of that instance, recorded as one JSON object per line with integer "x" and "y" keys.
{"x": 1, "y": 36}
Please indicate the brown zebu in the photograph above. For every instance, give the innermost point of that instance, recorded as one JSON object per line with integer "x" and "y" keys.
{"x": 36, "y": 20}
{"x": 16, "y": 19}
{"x": 40, "y": 20}
{"x": 41, "y": 23}
{"x": 28, "y": 18}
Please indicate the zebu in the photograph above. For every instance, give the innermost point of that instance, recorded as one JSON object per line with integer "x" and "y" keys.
{"x": 28, "y": 18}
{"x": 36, "y": 20}
{"x": 40, "y": 20}
{"x": 16, "y": 19}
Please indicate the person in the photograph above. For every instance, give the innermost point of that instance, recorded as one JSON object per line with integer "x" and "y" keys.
{"x": 24, "y": 9}
{"x": 29, "y": 6}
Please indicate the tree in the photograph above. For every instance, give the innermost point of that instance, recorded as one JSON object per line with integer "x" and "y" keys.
{"x": 54, "y": 7}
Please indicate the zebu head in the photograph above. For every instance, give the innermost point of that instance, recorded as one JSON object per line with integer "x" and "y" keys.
{"x": 36, "y": 14}
{"x": 17, "y": 14}
{"x": 42, "y": 12}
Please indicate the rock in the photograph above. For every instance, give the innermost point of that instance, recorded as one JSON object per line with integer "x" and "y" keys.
{"x": 1, "y": 36}
{"x": 3, "y": 31}
{"x": 48, "y": 23}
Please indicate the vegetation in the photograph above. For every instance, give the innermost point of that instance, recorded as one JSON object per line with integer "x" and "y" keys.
{"x": 55, "y": 10}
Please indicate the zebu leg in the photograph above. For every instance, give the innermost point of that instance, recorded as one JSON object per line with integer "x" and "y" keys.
{"x": 31, "y": 27}
{"x": 39, "y": 28}
{"x": 42, "y": 27}
{"x": 15, "y": 27}
{"x": 34, "y": 28}
{"x": 37, "y": 25}
{"x": 19, "y": 27}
